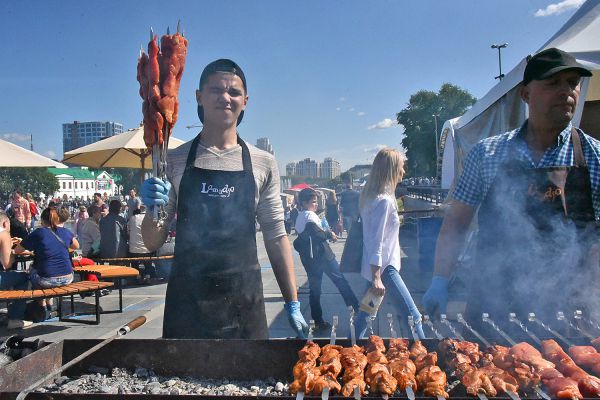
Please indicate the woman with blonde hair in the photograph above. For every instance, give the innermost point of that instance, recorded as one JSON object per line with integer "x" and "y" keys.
{"x": 381, "y": 247}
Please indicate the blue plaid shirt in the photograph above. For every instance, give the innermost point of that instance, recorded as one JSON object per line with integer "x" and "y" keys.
{"x": 485, "y": 158}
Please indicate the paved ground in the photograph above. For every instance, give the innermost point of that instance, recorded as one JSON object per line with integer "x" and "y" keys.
{"x": 148, "y": 300}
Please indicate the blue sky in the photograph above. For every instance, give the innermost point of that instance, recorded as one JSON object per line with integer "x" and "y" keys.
{"x": 321, "y": 74}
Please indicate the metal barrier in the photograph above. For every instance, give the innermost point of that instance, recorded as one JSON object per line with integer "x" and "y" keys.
{"x": 434, "y": 195}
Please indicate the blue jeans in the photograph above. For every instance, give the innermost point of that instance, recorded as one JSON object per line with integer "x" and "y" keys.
{"x": 40, "y": 282}
{"x": 315, "y": 270}
{"x": 402, "y": 302}
{"x": 19, "y": 281}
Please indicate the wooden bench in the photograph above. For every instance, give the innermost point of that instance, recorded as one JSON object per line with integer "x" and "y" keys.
{"x": 61, "y": 291}
{"x": 114, "y": 273}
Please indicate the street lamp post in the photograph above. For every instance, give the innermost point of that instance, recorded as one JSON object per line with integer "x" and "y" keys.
{"x": 437, "y": 150}
{"x": 499, "y": 47}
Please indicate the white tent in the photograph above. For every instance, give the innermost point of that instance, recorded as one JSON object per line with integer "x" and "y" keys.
{"x": 501, "y": 109}
{"x": 17, "y": 156}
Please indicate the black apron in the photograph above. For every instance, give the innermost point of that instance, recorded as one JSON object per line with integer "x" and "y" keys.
{"x": 215, "y": 290}
{"x": 535, "y": 250}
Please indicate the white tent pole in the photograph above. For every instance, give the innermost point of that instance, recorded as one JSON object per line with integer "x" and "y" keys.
{"x": 585, "y": 84}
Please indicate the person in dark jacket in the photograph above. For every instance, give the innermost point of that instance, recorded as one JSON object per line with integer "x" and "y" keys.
{"x": 317, "y": 257}
{"x": 113, "y": 233}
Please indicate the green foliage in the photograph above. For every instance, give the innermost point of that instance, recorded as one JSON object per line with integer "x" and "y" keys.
{"x": 418, "y": 121}
{"x": 28, "y": 180}
{"x": 128, "y": 177}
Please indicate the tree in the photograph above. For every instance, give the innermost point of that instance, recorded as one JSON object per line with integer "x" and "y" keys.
{"x": 28, "y": 180}
{"x": 419, "y": 124}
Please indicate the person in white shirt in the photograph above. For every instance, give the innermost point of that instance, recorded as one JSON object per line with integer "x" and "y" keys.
{"x": 137, "y": 247}
{"x": 381, "y": 247}
{"x": 318, "y": 258}
{"x": 90, "y": 231}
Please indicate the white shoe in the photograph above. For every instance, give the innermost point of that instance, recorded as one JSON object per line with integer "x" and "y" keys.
{"x": 18, "y": 324}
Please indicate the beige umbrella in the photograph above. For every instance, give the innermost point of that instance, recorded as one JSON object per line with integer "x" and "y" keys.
{"x": 17, "y": 156}
{"x": 125, "y": 150}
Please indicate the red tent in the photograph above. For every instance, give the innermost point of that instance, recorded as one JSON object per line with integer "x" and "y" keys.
{"x": 300, "y": 186}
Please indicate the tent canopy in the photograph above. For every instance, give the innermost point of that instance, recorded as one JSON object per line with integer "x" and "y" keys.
{"x": 17, "y": 156}
{"x": 125, "y": 150}
{"x": 502, "y": 109}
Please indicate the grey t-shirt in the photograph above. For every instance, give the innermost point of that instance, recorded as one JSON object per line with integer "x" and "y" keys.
{"x": 113, "y": 236}
{"x": 269, "y": 209}
{"x": 133, "y": 204}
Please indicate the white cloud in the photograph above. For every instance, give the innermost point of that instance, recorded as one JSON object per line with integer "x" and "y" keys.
{"x": 360, "y": 113}
{"x": 386, "y": 123}
{"x": 337, "y": 109}
{"x": 351, "y": 109}
{"x": 50, "y": 154}
{"x": 558, "y": 8}
{"x": 375, "y": 149}
{"x": 16, "y": 137}
{"x": 342, "y": 99}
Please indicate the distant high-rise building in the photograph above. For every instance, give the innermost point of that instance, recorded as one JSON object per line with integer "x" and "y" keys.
{"x": 290, "y": 169}
{"x": 330, "y": 168}
{"x": 79, "y": 134}
{"x": 263, "y": 143}
{"x": 309, "y": 168}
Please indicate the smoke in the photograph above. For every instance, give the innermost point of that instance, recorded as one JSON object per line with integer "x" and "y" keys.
{"x": 530, "y": 258}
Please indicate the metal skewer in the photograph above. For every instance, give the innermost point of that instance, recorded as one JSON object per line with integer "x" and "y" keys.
{"x": 444, "y": 320}
{"x": 485, "y": 317}
{"x": 325, "y": 392}
{"x": 532, "y": 318}
{"x": 413, "y": 331}
{"x": 461, "y": 320}
{"x": 512, "y": 317}
{"x": 578, "y": 316}
{"x": 311, "y": 330}
{"x": 427, "y": 321}
{"x": 561, "y": 317}
{"x": 353, "y": 341}
{"x": 410, "y": 393}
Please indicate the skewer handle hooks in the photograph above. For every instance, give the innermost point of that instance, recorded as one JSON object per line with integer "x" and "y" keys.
{"x": 311, "y": 329}
{"x": 390, "y": 318}
{"x": 352, "y": 332}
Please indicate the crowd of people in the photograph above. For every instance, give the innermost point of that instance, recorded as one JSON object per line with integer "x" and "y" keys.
{"x": 103, "y": 229}
{"x": 219, "y": 187}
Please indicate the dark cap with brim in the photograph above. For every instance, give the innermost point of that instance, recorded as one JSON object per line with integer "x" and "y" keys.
{"x": 549, "y": 62}
{"x": 221, "y": 65}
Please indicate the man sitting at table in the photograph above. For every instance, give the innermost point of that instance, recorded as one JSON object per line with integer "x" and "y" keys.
{"x": 11, "y": 279}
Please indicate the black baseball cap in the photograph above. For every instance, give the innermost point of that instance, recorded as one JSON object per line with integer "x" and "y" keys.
{"x": 549, "y": 62}
{"x": 221, "y": 65}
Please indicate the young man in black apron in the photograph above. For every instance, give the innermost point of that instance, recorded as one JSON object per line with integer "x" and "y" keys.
{"x": 536, "y": 190}
{"x": 221, "y": 186}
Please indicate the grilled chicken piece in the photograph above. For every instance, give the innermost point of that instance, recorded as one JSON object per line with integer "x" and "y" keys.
{"x": 503, "y": 381}
{"x": 476, "y": 381}
{"x": 586, "y": 356}
{"x": 417, "y": 349}
{"x": 596, "y": 343}
{"x": 376, "y": 357}
{"x": 349, "y": 386}
{"x": 330, "y": 360}
{"x": 323, "y": 381}
{"x": 375, "y": 343}
{"x": 404, "y": 370}
{"x": 377, "y": 375}
{"x": 305, "y": 370}
{"x": 528, "y": 354}
{"x": 425, "y": 360}
{"x": 564, "y": 388}
{"x": 588, "y": 385}
{"x": 432, "y": 381}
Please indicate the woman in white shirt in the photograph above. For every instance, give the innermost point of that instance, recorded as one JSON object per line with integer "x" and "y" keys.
{"x": 318, "y": 258}
{"x": 381, "y": 248}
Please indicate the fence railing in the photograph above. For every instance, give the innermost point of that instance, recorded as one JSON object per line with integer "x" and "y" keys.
{"x": 432, "y": 194}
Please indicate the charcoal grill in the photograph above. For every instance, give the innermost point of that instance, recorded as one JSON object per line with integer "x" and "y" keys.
{"x": 242, "y": 360}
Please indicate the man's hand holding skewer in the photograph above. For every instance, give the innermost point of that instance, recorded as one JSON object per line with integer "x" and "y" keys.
{"x": 155, "y": 192}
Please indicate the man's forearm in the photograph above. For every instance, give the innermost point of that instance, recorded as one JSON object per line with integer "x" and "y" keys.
{"x": 280, "y": 256}
{"x": 451, "y": 239}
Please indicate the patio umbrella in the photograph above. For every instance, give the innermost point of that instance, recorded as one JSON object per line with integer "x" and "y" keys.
{"x": 125, "y": 150}
{"x": 17, "y": 156}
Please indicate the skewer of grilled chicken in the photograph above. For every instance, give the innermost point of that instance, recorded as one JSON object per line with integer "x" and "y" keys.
{"x": 377, "y": 374}
{"x": 431, "y": 380}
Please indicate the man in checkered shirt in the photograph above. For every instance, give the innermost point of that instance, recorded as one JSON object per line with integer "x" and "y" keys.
{"x": 536, "y": 193}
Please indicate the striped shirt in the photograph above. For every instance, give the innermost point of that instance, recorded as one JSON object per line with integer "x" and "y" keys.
{"x": 269, "y": 209}
{"x": 483, "y": 161}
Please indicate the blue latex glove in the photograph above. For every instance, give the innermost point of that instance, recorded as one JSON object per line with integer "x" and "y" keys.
{"x": 296, "y": 319}
{"x": 155, "y": 192}
{"x": 435, "y": 298}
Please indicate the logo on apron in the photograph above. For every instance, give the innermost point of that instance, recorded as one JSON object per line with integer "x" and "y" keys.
{"x": 212, "y": 191}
